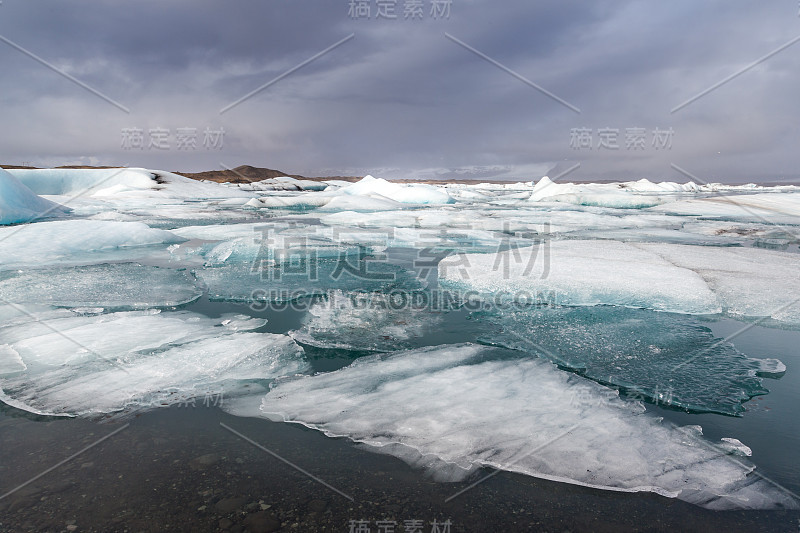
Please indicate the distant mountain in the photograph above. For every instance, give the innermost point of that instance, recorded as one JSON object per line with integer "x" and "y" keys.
{"x": 248, "y": 174}
{"x": 240, "y": 174}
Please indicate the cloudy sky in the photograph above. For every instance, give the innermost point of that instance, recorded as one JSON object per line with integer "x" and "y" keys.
{"x": 512, "y": 89}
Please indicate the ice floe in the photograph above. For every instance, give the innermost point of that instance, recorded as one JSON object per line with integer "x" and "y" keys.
{"x": 666, "y": 359}
{"x": 78, "y": 364}
{"x": 469, "y": 406}
{"x": 116, "y": 286}
{"x": 583, "y": 272}
{"x": 64, "y": 241}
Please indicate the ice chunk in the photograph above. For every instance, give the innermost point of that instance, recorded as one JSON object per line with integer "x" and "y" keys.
{"x": 110, "y": 183}
{"x": 667, "y": 359}
{"x": 403, "y": 193}
{"x": 467, "y": 405}
{"x": 19, "y": 204}
{"x": 116, "y": 286}
{"x": 772, "y": 207}
{"x": 582, "y": 273}
{"x": 10, "y": 360}
{"x": 63, "y": 241}
{"x": 749, "y": 282}
{"x": 90, "y": 365}
{"x": 361, "y": 203}
{"x": 301, "y": 201}
{"x": 735, "y": 447}
{"x": 593, "y": 194}
{"x": 63, "y": 181}
{"x": 364, "y": 321}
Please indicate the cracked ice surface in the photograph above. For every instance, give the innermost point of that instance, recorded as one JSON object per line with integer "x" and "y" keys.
{"x": 81, "y": 363}
{"x": 457, "y": 406}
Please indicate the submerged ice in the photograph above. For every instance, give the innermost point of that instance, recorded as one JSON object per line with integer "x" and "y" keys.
{"x": 669, "y": 360}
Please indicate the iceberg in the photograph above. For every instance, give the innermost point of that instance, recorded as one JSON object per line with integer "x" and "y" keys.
{"x": 593, "y": 194}
{"x": 403, "y": 193}
{"x": 456, "y": 407}
{"x": 19, "y": 204}
{"x": 109, "y": 183}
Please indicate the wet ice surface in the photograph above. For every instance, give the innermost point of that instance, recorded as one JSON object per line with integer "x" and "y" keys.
{"x": 116, "y": 286}
{"x": 662, "y": 358}
{"x": 465, "y": 405}
{"x": 86, "y": 362}
{"x": 127, "y": 303}
{"x": 364, "y": 321}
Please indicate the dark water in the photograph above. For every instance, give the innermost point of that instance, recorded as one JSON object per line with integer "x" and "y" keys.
{"x": 180, "y": 469}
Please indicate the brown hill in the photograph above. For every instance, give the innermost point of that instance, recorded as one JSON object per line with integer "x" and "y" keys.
{"x": 249, "y": 174}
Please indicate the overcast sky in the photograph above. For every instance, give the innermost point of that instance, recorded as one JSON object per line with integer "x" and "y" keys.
{"x": 518, "y": 88}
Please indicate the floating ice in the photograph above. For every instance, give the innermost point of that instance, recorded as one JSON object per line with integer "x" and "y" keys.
{"x": 116, "y": 286}
{"x": 407, "y": 194}
{"x": 582, "y": 273}
{"x": 283, "y": 183}
{"x": 668, "y": 359}
{"x": 10, "y": 361}
{"x": 19, "y": 204}
{"x": 594, "y": 194}
{"x": 90, "y": 365}
{"x": 120, "y": 182}
{"x": 735, "y": 447}
{"x": 467, "y": 405}
{"x": 749, "y": 282}
{"x": 64, "y": 241}
{"x": 773, "y": 207}
{"x": 364, "y": 321}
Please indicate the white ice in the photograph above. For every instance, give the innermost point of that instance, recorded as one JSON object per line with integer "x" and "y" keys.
{"x": 363, "y": 321}
{"x": 748, "y": 282}
{"x": 116, "y": 286}
{"x": 403, "y": 193}
{"x": 19, "y": 204}
{"x": 64, "y": 241}
{"x": 80, "y": 364}
{"x": 467, "y": 405}
{"x": 582, "y": 273}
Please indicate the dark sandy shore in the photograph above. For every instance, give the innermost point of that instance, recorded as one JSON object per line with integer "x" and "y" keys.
{"x": 179, "y": 469}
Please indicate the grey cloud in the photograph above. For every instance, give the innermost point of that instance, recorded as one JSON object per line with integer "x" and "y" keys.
{"x": 400, "y": 98}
